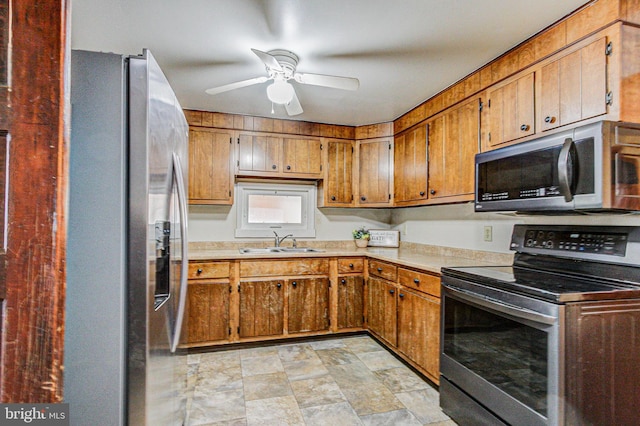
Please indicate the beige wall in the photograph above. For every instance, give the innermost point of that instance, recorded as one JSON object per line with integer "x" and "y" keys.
{"x": 455, "y": 225}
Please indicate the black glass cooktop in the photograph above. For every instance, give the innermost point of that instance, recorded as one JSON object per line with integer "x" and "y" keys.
{"x": 554, "y": 286}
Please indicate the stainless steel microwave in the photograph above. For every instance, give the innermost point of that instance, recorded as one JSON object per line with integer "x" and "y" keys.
{"x": 593, "y": 167}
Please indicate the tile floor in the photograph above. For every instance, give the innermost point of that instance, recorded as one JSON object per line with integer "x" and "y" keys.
{"x": 341, "y": 381}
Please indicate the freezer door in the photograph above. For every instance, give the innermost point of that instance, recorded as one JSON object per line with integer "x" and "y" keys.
{"x": 157, "y": 246}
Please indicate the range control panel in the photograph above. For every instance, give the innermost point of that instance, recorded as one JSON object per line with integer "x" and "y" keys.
{"x": 576, "y": 241}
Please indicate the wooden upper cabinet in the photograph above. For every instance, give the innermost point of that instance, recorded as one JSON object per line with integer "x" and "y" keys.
{"x": 410, "y": 167}
{"x": 210, "y": 166}
{"x": 337, "y": 186}
{"x": 453, "y": 144}
{"x": 511, "y": 111}
{"x": 259, "y": 153}
{"x": 574, "y": 87}
{"x": 302, "y": 156}
{"x": 375, "y": 172}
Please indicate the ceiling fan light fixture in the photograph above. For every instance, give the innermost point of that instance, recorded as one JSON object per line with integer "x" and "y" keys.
{"x": 280, "y": 92}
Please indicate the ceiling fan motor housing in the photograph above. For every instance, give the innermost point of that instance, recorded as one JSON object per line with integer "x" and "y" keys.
{"x": 287, "y": 59}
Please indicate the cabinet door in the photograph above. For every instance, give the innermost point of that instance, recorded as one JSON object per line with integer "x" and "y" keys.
{"x": 511, "y": 111}
{"x": 374, "y": 173}
{"x": 574, "y": 87}
{"x": 338, "y": 183}
{"x": 308, "y": 304}
{"x": 302, "y": 156}
{"x": 419, "y": 330}
{"x": 208, "y": 311}
{"x": 261, "y": 308}
{"x": 453, "y": 144}
{"x": 410, "y": 166}
{"x": 259, "y": 153}
{"x": 350, "y": 301}
{"x": 382, "y": 309}
{"x": 210, "y": 166}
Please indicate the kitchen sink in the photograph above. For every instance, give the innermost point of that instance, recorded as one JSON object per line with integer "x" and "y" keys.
{"x": 267, "y": 250}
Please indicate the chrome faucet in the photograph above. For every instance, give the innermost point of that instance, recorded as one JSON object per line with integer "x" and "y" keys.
{"x": 279, "y": 240}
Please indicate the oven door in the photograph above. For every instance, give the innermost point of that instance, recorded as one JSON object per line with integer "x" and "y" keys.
{"x": 503, "y": 352}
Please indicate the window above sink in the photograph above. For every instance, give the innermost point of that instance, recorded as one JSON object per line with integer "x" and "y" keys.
{"x": 267, "y": 207}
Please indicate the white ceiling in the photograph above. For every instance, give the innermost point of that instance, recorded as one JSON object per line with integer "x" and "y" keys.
{"x": 402, "y": 51}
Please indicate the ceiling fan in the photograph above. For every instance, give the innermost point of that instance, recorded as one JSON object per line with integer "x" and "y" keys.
{"x": 281, "y": 67}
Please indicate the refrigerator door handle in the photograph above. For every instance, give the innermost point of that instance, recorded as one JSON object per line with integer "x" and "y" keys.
{"x": 182, "y": 206}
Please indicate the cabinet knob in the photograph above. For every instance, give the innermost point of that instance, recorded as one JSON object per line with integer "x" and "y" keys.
{"x": 524, "y": 127}
{"x": 416, "y": 281}
{"x": 432, "y": 192}
{"x": 392, "y": 291}
{"x": 294, "y": 284}
{"x": 288, "y": 167}
{"x": 279, "y": 285}
{"x": 351, "y": 265}
{"x": 400, "y": 294}
{"x": 333, "y": 198}
{"x": 422, "y": 193}
{"x": 199, "y": 271}
{"x": 343, "y": 281}
{"x": 273, "y": 166}
{"x": 549, "y": 119}
{"x": 379, "y": 269}
{"x": 363, "y": 198}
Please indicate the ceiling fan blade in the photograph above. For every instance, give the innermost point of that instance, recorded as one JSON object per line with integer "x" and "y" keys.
{"x": 294, "y": 107}
{"x": 271, "y": 62}
{"x": 236, "y": 85}
{"x": 345, "y": 83}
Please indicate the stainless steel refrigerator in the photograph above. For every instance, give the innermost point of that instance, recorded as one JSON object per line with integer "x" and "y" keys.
{"x": 126, "y": 245}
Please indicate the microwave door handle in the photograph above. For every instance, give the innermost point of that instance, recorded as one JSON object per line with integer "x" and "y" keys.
{"x": 565, "y": 181}
{"x": 499, "y": 306}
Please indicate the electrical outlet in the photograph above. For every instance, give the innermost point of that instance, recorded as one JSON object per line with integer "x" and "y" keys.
{"x": 488, "y": 233}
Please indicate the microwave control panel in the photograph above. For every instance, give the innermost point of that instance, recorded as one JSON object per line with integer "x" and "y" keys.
{"x": 585, "y": 242}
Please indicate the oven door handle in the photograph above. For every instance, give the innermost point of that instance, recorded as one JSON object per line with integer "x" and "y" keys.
{"x": 499, "y": 306}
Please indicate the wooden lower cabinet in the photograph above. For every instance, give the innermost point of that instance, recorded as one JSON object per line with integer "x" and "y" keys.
{"x": 261, "y": 308}
{"x": 308, "y": 304}
{"x": 207, "y": 312}
{"x": 419, "y": 330}
{"x": 382, "y": 309}
{"x": 350, "y": 301}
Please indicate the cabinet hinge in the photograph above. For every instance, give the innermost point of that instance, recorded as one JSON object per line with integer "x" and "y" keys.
{"x": 608, "y": 49}
{"x": 352, "y": 150}
{"x": 320, "y": 167}
{"x": 488, "y": 103}
{"x": 480, "y": 106}
{"x": 229, "y": 331}
{"x": 389, "y": 196}
{"x": 238, "y": 288}
{"x": 229, "y": 193}
{"x": 389, "y": 146}
{"x": 609, "y": 98}
{"x": 320, "y": 147}
{"x": 238, "y": 329}
{"x": 489, "y": 136}
{"x": 351, "y": 197}
{"x": 230, "y": 140}
{"x": 230, "y": 289}
{"x": 329, "y": 283}
{"x": 238, "y": 141}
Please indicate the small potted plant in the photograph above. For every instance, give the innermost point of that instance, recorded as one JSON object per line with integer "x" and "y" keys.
{"x": 361, "y": 236}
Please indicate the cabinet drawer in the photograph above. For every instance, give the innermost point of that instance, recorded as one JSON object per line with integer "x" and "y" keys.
{"x": 201, "y": 270}
{"x": 350, "y": 264}
{"x": 419, "y": 281}
{"x": 268, "y": 268}
{"x": 383, "y": 270}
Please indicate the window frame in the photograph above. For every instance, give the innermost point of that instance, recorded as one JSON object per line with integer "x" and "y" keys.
{"x": 306, "y": 229}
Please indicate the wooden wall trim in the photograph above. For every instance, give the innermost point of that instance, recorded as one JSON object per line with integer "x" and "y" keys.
{"x": 33, "y": 335}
